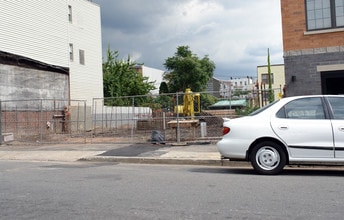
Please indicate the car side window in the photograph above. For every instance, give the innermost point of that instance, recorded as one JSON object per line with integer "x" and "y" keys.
{"x": 304, "y": 108}
{"x": 337, "y": 105}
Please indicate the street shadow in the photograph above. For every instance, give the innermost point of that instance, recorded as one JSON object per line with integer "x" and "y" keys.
{"x": 287, "y": 171}
{"x": 79, "y": 165}
{"x": 313, "y": 171}
{"x": 224, "y": 170}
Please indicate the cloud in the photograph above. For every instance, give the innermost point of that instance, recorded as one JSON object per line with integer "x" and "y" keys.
{"x": 235, "y": 34}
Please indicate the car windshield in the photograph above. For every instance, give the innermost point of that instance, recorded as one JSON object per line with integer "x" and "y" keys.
{"x": 263, "y": 108}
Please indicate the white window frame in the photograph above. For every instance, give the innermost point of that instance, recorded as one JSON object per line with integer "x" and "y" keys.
{"x": 70, "y": 14}
{"x": 82, "y": 57}
{"x": 71, "y": 52}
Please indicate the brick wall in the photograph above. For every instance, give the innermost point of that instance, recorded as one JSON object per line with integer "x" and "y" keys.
{"x": 30, "y": 122}
{"x": 295, "y": 35}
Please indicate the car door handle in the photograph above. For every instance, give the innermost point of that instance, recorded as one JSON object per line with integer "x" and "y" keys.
{"x": 341, "y": 128}
{"x": 283, "y": 127}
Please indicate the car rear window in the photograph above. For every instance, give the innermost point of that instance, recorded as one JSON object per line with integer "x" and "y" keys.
{"x": 263, "y": 108}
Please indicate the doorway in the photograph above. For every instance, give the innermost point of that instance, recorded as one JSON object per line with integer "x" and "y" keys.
{"x": 332, "y": 82}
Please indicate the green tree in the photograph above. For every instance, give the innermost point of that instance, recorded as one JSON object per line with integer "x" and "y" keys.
{"x": 163, "y": 88}
{"x": 271, "y": 92}
{"x": 186, "y": 70}
{"x": 120, "y": 78}
{"x": 207, "y": 100}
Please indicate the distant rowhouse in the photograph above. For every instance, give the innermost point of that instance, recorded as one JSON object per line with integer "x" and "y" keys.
{"x": 227, "y": 88}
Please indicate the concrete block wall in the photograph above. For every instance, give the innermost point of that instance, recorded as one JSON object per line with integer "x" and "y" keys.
{"x": 303, "y": 66}
{"x": 19, "y": 83}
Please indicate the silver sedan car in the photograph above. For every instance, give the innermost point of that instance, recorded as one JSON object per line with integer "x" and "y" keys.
{"x": 293, "y": 130}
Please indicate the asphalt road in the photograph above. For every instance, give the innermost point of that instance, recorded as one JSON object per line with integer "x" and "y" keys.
{"x": 85, "y": 190}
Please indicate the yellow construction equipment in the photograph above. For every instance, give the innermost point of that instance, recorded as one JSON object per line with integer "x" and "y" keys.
{"x": 191, "y": 104}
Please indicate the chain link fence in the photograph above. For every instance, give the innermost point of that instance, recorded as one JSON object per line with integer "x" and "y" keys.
{"x": 138, "y": 119}
{"x": 43, "y": 121}
{"x": 177, "y": 117}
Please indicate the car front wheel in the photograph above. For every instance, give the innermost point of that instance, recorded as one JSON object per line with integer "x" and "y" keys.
{"x": 268, "y": 158}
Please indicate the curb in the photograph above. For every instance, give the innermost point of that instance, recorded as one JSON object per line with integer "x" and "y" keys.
{"x": 170, "y": 161}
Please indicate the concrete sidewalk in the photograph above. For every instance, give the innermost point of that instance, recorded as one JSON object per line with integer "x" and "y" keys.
{"x": 196, "y": 153}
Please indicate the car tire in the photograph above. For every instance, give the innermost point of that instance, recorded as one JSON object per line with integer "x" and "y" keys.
{"x": 268, "y": 158}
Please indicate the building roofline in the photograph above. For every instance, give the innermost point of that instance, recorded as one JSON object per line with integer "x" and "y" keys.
{"x": 282, "y": 64}
{"x": 21, "y": 61}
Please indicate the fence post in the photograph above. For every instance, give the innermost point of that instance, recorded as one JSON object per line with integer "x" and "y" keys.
{"x": 178, "y": 128}
{"x": 41, "y": 122}
{"x": 85, "y": 112}
{"x": 0, "y": 123}
{"x": 94, "y": 117}
{"x": 133, "y": 121}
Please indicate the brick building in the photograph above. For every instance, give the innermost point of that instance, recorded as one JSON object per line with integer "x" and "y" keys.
{"x": 313, "y": 45}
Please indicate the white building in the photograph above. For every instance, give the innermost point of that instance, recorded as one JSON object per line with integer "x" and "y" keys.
{"x": 243, "y": 83}
{"x": 225, "y": 88}
{"x": 219, "y": 88}
{"x": 154, "y": 75}
{"x": 61, "y": 33}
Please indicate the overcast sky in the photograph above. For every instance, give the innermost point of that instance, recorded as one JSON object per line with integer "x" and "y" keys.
{"x": 235, "y": 34}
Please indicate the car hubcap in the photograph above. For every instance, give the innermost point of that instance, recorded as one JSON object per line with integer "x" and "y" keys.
{"x": 267, "y": 158}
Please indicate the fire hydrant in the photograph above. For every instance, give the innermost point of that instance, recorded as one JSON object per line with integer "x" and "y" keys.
{"x": 65, "y": 119}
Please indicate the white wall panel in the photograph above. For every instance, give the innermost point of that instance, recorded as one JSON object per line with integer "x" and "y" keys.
{"x": 85, "y": 34}
{"x": 35, "y": 29}
{"x": 41, "y": 31}
{"x": 153, "y": 75}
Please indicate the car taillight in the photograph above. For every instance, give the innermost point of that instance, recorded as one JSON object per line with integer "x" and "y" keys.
{"x": 225, "y": 130}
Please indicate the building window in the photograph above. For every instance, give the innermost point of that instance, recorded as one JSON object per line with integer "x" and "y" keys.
{"x": 82, "y": 57}
{"x": 70, "y": 18}
{"x": 265, "y": 78}
{"x": 339, "y": 4}
{"x": 324, "y": 14}
{"x": 71, "y": 52}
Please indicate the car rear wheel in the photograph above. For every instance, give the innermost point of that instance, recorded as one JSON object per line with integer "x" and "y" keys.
{"x": 268, "y": 158}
